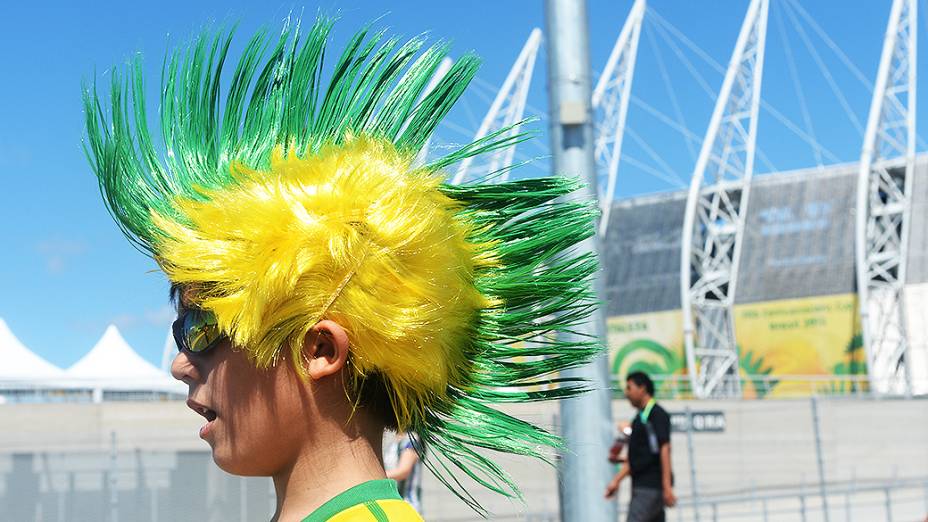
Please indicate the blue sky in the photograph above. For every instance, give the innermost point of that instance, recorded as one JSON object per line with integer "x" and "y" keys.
{"x": 65, "y": 270}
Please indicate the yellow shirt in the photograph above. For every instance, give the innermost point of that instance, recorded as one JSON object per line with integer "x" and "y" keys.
{"x": 371, "y": 501}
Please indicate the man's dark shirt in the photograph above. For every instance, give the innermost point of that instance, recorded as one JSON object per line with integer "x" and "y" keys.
{"x": 645, "y": 465}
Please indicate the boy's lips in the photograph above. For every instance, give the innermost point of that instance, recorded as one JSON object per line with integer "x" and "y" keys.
{"x": 209, "y": 414}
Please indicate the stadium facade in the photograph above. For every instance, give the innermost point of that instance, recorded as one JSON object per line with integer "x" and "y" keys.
{"x": 797, "y": 320}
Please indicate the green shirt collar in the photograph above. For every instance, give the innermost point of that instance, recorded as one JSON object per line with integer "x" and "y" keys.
{"x": 646, "y": 412}
{"x": 383, "y": 489}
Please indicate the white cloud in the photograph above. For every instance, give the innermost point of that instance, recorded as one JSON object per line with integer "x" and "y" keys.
{"x": 161, "y": 316}
{"x": 125, "y": 321}
{"x": 57, "y": 252}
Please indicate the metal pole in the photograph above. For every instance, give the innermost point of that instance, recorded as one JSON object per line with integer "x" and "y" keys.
{"x": 926, "y": 496}
{"x": 853, "y": 491}
{"x": 823, "y": 487}
{"x": 889, "y": 506}
{"x": 242, "y": 499}
{"x": 53, "y": 487}
{"x": 763, "y": 502}
{"x": 70, "y": 508}
{"x": 62, "y": 499}
{"x": 802, "y": 497}
{"x": 154, "y": 504}
{"x": 112, "y": 483}
{"x": 689, "y": 449}
{"x": 586, "y": 421}
{"x": 847, "y": 507}
{"x": 141, "y": 485}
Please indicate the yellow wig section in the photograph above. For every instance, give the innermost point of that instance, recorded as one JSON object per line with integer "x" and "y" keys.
{"x": 351, "y": 233}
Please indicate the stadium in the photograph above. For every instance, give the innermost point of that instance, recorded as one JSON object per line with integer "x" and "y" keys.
{"x": 782, "y": 314}
{"x": 796, "y": 310}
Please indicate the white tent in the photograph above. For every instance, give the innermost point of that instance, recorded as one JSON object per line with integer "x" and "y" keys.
{"x": 113, "y": 365}
{"x": 18, "y": 365}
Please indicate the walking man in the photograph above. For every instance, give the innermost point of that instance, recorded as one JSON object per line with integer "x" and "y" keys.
{"x": 648, "y": 454}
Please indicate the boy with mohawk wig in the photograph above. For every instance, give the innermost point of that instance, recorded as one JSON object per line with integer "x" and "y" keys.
{"x": 329, "y": 288}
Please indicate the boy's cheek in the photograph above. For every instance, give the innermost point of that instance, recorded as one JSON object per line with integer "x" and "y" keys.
{"x": 252, "y": 443}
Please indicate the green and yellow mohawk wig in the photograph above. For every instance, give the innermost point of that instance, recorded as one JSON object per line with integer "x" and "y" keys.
{"x": 284, "y": 199}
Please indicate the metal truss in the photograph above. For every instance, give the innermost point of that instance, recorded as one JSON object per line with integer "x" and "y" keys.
{"x": 507, "y": 109}
{"x": 714, "y": 220}
{"x": 884, "y": 189}
{"x": 610, "y": 106}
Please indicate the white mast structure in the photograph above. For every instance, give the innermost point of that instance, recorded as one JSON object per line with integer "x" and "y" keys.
{"x": 884, "y": 191}
{"x": 714, "y": 221}
{"x": 168, "y": 351}
{"x": 507, "y": 109}
{"x": 610, "y": 106}
{"x": 440, "y": 72}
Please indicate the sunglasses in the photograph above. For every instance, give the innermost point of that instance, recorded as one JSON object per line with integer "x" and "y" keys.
{"x": 196, "y": 331}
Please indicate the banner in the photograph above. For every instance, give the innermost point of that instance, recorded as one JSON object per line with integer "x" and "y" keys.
{"x": 650, "y": 342}
{"x": 809, "y": 337}
{"x": 812, "y": 336}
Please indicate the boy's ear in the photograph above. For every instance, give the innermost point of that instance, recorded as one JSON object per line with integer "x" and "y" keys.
{"x": 326, "y": 349}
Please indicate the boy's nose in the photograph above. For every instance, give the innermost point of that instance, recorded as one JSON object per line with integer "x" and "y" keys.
{"x": 183, "y": 369}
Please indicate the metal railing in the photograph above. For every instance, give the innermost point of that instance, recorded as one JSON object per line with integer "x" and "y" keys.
{"x": 842, "y": 502}
{"x": 848, "y": 501}
{"x": 678, "y": 386}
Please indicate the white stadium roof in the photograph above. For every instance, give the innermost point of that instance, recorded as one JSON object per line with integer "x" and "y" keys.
{"x": 113, "y": 364}
{"x": 20, "y": 364}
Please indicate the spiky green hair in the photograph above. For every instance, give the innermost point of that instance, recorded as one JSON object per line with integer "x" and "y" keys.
{"x": 286, "y": 198}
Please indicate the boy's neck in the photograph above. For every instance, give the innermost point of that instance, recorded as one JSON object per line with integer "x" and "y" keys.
{"x": 324, "y": 471}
